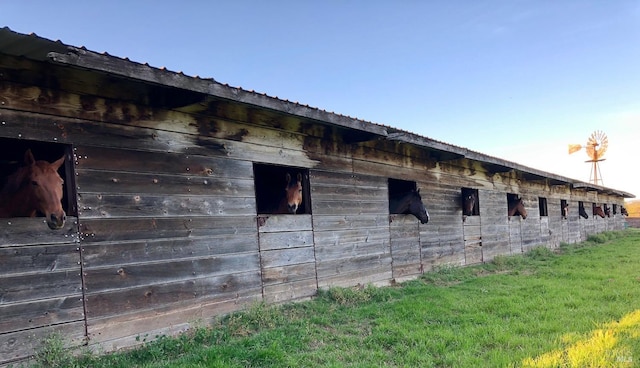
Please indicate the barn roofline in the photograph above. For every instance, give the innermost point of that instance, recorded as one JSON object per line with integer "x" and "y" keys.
{"x": 37, "y": 48}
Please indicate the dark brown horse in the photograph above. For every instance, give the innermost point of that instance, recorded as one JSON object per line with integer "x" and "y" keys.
{"x": 623, "y": 211}
{"x": 597, "y": 210}
{"x": 469, "y": 200}
{"x": 582, "y": 211}
{"x": 516, "y": 207}
{"x": 409, "y": 203}
{"x": 35, "y": 188}
{"x": 292, "y": 199}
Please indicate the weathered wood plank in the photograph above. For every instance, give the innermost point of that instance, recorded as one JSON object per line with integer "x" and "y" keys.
{"x": 289, "y": 291}
{"x": 276, "y": 223}
{"x": 137, "y": 299}
{"x": 87, "y": 133}
{"x": 139, "y": 161}
{"x": 343, "y": 244}
{"x": 377, "y": 261}
{"x": 128, "y": 329}
{"x": 38, "y": 258}
{"x": 20, "y": 345}
{"x": 20, "y": 231}
{"x": 19, "y": 288}
{"x": 286, "y": 240}
{"x": 288, "y": 273}
{"x": 92, "y": 205}
{"x": 172, "y": 249}
{"x": 404, "y": 240}
{"x": 354, "y": 271}
{"x": 102, "y": 181}
{"x": 354, "y": 207}
{"x": 347, "y": 222}
{"x": 40, "y": 313}
{"x": 283, "y": 257}
{"x": 132, "y": 229}
{"x": 98, "y": 280}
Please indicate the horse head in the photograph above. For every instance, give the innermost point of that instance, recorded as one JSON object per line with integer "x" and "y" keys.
{"x": 468, "y": 203}
{"x": 36, "y": 188}
{"x": 623, "y": 211}
{"x": 582, "y": 212}
{"x": 293, "y": 191}
{"x": 516, "y": 207}
{"x": 417, "y": 208}
{"x": 607, "y": 210}
{"x": 565, "y": 210}
{"x": 597, "y": 210}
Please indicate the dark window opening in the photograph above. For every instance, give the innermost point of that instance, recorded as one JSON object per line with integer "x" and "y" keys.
{"x": 470, "y": 202}
{"x": 271, "y": 184}
{"x": 564, "y": 208}
{"x": 615, "y": 209}
{"x": 542, "y": 204}
{"x": 398, "y": 188}
{"x": 12, "y": 158}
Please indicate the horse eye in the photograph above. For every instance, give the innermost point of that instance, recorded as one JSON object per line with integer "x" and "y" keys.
{"x": 34, "y": 183}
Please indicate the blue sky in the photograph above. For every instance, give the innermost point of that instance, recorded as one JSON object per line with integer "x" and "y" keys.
{"x": 516, "y": 79}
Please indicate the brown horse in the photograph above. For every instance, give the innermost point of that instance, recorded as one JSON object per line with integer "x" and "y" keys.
{"x": 469, "y": 200}
{"x": 565, "y": 209}
{"x": 582, "y": 211}
{"x": 597, "y": 210}
{"x": 409, "y": 203}
{"x": 607, "y": 210}
{"x": 623, "y": 211}
{"x": 292, "y": 199}
{"x": 516, "y": 207}
{"x": 35, "y": 188}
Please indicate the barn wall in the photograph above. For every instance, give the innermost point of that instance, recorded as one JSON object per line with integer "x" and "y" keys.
{"x": 167, "y": 233}
{"x": 40, "y": 285}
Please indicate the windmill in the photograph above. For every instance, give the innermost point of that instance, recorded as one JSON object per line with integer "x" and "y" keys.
{"x": 596, "y": 147}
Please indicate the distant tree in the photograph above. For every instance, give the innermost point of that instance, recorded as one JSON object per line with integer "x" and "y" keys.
{"x": 633, "y": 207}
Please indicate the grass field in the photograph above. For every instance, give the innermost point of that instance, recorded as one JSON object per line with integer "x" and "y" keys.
{"x": 577, "y": 307}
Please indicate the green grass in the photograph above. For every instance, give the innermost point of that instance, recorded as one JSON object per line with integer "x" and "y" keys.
{"x": 493, "y": 315}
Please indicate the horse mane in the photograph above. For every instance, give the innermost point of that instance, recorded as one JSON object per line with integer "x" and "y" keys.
{"x": 396, "y": 200}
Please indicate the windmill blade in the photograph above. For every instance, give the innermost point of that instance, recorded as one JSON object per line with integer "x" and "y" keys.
{"x": 574, "y": 148}
{"x": 597, "y": 144}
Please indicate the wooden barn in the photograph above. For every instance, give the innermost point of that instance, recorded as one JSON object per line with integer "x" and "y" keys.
{"x": 171, "y": 185}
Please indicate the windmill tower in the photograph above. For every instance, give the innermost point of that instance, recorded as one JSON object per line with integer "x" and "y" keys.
{"x": 596, "y": 147}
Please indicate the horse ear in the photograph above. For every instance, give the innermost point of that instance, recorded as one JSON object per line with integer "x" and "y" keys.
{"x": 418, "y": 190}
{"x": 57, "y": 163}
{"x": 299, "y": 177}
{"x": 28, "y": 158}
{"x": 288, "y": 178}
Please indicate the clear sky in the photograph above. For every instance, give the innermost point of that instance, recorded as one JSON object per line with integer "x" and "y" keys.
{"x": 515, "y": 79}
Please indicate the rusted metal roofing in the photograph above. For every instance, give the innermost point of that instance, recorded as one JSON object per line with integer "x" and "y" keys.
{"x": 37, "y": 48}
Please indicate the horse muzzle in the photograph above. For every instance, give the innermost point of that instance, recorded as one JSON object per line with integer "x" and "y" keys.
{"x": 56, "y": 222}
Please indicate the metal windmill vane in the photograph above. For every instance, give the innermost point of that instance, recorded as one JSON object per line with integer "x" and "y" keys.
{"x": 596, "y": 147}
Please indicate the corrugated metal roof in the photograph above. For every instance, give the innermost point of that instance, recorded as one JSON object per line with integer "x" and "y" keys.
{"x": 37, "y": 48}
